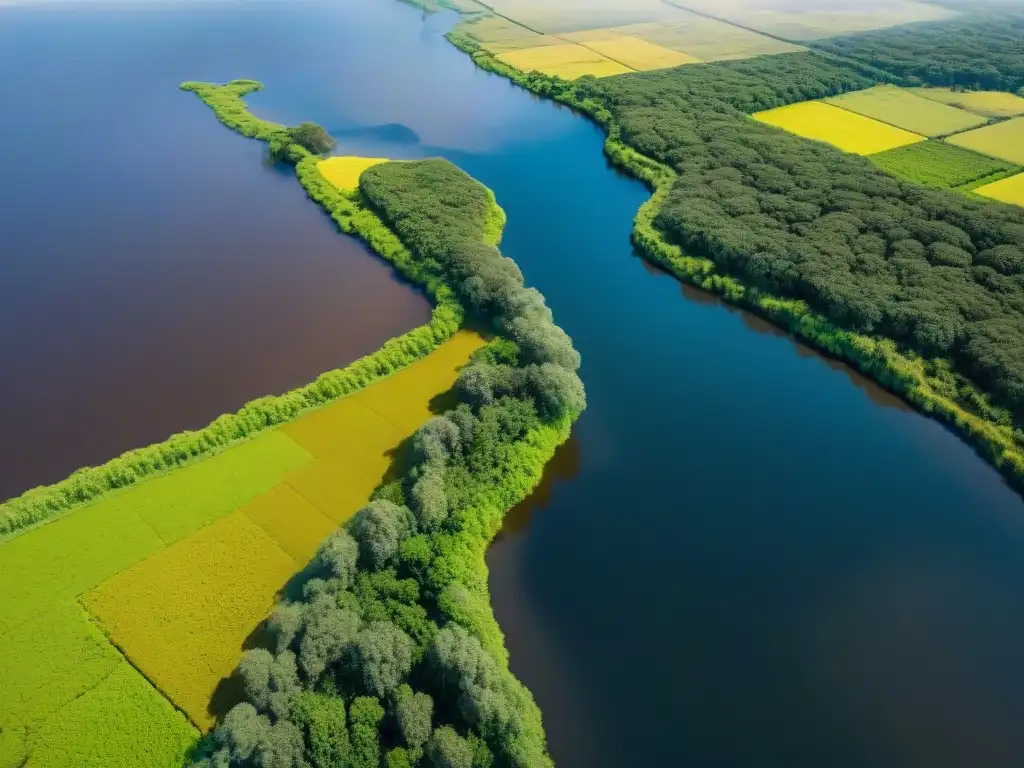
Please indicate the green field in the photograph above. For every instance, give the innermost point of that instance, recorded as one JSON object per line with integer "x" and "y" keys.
{"x": 937, "y": 164}
{"x": 1003, "y": 140}
{"x": 903, "y": 109}
{"x": 986, "y": 103}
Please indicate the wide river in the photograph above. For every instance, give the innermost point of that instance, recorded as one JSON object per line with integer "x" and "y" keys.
{"x": 747, "y": 556}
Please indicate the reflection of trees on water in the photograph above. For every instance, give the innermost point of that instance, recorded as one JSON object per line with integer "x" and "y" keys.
{"x": 564, "y": 465}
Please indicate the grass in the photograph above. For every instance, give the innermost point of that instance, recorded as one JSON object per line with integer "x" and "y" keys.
{"x": 634, "y": 52}
{"x": 1002, "y": 140}
{"x": 566, "y": 60}
{"x": 903, "y": 109}
{"x": 1009, "y": 190}
{"x": 344, "y": 172}
{"x": 938, "y": 164}
{"x": 182, "y": 615}
{"x": 985, "y": 103}
{"x": 845, "y": 130}
{"x": 121, "y": 723}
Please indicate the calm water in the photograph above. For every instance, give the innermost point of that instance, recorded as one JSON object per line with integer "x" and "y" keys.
{"x": 747, "y": 556}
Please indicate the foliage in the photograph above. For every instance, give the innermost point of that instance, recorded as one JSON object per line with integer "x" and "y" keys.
{"x": 380, "y": 594}
{"x": 976, "y": 51}
{"x": 933, "y": 385}
{"x": 938, "y": 164}
{"x": 312, "y": 137}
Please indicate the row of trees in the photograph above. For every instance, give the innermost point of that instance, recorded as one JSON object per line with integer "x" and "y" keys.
{"x": 389, "y": 655}
{"x": 934, "y": 270}
{"x": 980, "y": 52}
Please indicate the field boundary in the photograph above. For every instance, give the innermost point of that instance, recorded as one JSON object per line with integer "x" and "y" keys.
{"x": 879, "y": 358}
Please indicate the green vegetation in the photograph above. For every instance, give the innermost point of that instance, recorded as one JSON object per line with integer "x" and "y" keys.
{"x": 937, "y": 164}
{"x": 736, "y": 199}
{"x": 312, "y": 137}
{"x": 977, "y": 52}
{"x": 389, "y": 650}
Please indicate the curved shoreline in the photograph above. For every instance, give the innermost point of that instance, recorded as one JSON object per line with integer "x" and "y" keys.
{"x": 878, "y": 358}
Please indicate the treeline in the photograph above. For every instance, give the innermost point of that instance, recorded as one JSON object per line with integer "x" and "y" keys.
{"x": 980, "y": 51}
{"x": 937, "y": 272}
{"x": 389, "y": 653}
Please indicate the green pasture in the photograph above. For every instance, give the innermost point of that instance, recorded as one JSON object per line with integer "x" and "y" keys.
{"x": 937, "y": 164}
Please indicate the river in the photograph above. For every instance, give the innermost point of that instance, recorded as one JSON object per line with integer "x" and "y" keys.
{"x": 747, "y": 555}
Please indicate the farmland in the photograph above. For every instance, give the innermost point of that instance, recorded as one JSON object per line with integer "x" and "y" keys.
{"x": 1002, "y": 140}
{"x": 238, "y": 527}
{"x": 1009, "y": 190}
{"x": 938, "y": 164}
{"x": 634, "y": 52}
{"x": 848, "y": 131}
{"x": 577, "y": 15}
{"x": 566, "y": 60}
{"x": 344, "y": 172}
{"x": 905, "y": 110}
{"x": 984, "y": 103}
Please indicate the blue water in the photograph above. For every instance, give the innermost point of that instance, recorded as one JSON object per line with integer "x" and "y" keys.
{"x": 748, "y": 555}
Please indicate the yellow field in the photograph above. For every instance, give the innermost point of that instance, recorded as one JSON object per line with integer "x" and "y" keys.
{"x": 906, "y": 110}
{"x": 634, "y": 52}
{"x": 1009, "y": 190}
{"x": 183, "y": 614}
{"x": 1003, "y": 140}
{"x": 806, "y": 20}
{"x": 567, "y": 60}
{"x": 847, "y": 131}
{"x": 985, "y": 103}
{"x": 699, "y": 37}
{"x": 344, "y": 172}
{"x": 499, "y": 35}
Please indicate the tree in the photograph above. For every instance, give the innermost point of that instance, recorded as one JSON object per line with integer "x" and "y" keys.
{"x": 338, "y": 556}
{"x": 380, "y": 528}
{"x": 364, "y": 719}
{"x": 323, "y": 719}
{"x": 328, "y": 633}
{"x": 269, "y": 682}
{"x": 383, "y": 657}
{"x": 446, "y": 749}
{"x": 428, "y": 499}
{"x": 312, "y": 137}
{"x": 415, "y": 713}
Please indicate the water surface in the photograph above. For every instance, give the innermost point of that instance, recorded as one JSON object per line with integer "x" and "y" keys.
{"x": 748, "y": 555}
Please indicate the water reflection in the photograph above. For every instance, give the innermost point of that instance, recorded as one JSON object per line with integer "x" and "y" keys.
{"x": 564, "y": 466}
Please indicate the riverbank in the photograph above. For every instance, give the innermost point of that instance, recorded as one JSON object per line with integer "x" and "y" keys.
{"x": 989, "y": 430}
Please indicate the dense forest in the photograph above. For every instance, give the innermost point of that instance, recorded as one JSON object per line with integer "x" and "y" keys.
{"x": 931, "y": 269}
{"x": 387, "y": 652}
{"x": 983, "y": 52}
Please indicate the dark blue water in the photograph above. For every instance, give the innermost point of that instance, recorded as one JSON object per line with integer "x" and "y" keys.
{"x": 748, "y": 555}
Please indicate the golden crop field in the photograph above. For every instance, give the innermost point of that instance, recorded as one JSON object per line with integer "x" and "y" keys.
{"x": 845, "y": 130}
{"x": 1003, "y": 140}
{"x": 1009, "y": 190}
{"x": 577, "y": 15}
{"x": 807, "y": 20}
{"x": 634, "y": 52}
{"x": 985, "y": 103}
{"x": 294, "y": 523}
{"x": 182, "y": 615}
{"x": 344, "y": 172}
{"x": 905, "y": 110}
{"x": 567, "y": 60}
{"x": 498, "y": 35}
{"x": 702, "y": 38}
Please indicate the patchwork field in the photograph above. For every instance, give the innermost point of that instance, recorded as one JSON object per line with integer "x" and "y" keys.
{"x": 567, "y": 60}
{"x": 985, "y": 103}
{"x": 1009, "y": 190}
{"x": 845, "y": 130}
{"x": 344, "y": 172}
{"x": 577, "y": 15}
{"x": 1002, "y": 140}
{"x": 180, "y": 570}
{"x": 635, "y": 52}
{"x": 805, "y": 19}
{"x": 498, "y": 35}
{"x": 938, "y": 164}
{"x": 905, "y": 110}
